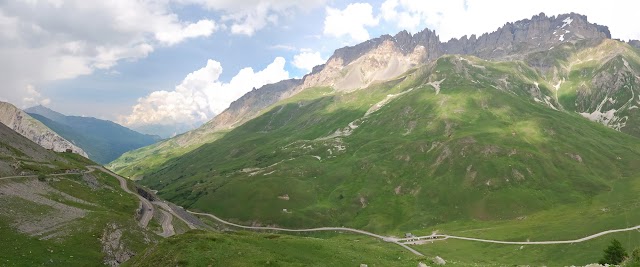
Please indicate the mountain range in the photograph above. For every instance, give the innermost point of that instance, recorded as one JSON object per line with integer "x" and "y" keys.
{"x": 482, "y": 146}
{"x": 103, "y": 140}
{"x": 408, "y": 133}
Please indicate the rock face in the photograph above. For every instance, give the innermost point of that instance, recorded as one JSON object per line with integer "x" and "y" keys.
{"x": 529, "y": 35}
{"x": 634, "y": 43}
{"x": 386, "y": 57}
{"x": 34, "y": 130}
{"x": 375, "y": 60}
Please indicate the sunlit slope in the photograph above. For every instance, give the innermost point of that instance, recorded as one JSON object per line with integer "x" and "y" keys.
{"x": 459, "y": 139}
{"x": 62, "y": 220}
{"x": 601, "y": 82}
{"x": 249, "y": 249}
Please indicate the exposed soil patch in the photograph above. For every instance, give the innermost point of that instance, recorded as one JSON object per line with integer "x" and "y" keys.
{"x": 58, "y": 215}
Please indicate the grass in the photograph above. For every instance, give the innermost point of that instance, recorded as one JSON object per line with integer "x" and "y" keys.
{"x": 465, "y": 253}
{"x": 197, "y": 248}
{"x": 485, "y": 157}
{"x": 471, "y": 153}
{"x": 81, "y": 245}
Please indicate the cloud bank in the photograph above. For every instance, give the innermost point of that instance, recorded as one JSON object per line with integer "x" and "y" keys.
{"x": 200, "y": 96}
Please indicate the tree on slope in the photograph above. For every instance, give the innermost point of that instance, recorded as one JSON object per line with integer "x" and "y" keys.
{"x": 614, "y": 254}
{"x": 634, "y": 260}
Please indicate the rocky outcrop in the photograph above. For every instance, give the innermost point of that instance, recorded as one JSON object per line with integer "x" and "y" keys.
{"x": 634, "y": 43}
{"x": 379, "y": 59}
{"x": 114, "y": 249}
{"x": 387, "y": 56}
{"x": 34, "y": 130}
{"x": 529, "y": 35}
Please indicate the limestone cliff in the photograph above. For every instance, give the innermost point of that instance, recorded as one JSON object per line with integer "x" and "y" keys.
{"x": 34, "y": 130}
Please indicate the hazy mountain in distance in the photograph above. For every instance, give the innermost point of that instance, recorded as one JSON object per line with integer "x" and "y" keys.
{"x": 103, "y": 140}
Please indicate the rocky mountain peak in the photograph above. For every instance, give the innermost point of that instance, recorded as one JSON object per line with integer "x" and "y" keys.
{"x": 529, "y": 35}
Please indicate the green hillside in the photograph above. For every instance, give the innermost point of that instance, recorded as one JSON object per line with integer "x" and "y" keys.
{"x": 56, "y": 219}
{"x": 249, "y": 249}
{"x": 21, "y": 156}
{"x": 483, "y": 145}
{"x": 103, "y": 140}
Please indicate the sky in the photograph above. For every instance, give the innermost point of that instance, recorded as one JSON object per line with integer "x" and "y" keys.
{"x": 148, "y": 62}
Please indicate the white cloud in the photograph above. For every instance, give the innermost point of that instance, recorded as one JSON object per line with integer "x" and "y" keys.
{"x": 33, "y": 98}
{"x": 201, "y": 95}
{"x": 283, "y": 47}
{"x": 178, "y": 33}
{"x": 307, "y": 60}
{"x": 248, "y": 16}
{"x": 351, "y": 21}
{"x": 43, "y": 41}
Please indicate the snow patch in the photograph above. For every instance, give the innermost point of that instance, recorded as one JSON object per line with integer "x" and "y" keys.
{"x": 561, "y": 38}
{"x": 608, "y": 117}
{"x": 567, "y": 22}
{"x": 547, "y": 100}
{"x": 436, "y": 85}
{"x": 557, "y": 86}
{"x": 318, "y": 158}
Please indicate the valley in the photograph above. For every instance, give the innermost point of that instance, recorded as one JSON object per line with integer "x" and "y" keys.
{"x": 517, "y": 147}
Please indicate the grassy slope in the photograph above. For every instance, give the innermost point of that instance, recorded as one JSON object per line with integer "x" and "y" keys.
{"x": 250, "y": 249}
{"x": 81, "y": 245}
{"x": 481, "y": 150}
{"x": 20, "y": 155}
{"x": 134, "y": 164}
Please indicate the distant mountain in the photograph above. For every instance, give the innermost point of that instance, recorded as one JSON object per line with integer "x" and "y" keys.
{"x": 246, "y": 107}
{"x": 34, "y": 130}
{"x": 164, "y": 131}
{"x": 103, "y": 140}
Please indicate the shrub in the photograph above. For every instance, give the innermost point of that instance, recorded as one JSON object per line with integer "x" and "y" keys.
{"x": 614, "y": 254}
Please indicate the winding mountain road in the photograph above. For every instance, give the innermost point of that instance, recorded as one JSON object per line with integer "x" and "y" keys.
{"x": 146, "y": 206}
{"x": 436, "y": 237}
{"x": 166, "y": 207}
{"x": 443, "y": 237}
{"x": 344, "y": 229}
{"x": 167, "y": 226}
{"x": 147, "y": 214}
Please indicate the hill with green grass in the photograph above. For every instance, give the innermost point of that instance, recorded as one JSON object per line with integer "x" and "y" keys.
{"x": 103, "y": 140}
{"x": 53, "y": 214}
{"x": 250, "y": 249}
{"x": 515, "y": 135}
{"x": 459, "y": 139}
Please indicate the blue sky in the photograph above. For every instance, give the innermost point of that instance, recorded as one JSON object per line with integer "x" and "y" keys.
{"x": 169, "y": 61}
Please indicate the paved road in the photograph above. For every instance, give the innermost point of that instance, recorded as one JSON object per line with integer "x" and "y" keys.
{"x": 147, "y": 207}
{"x": 343, "y": 229}
{"x": 167, "y": 226}
{"x": 166, "y": 207}
{"x": 443, "y": 237}
{"x": 148, "y": 214}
